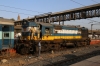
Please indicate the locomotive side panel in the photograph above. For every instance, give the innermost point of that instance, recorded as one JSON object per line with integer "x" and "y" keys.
{"x": 64, "y": 33}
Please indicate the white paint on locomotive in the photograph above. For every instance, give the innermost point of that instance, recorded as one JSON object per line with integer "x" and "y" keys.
{"x": 28, "y": 29}
{"x": 64, "y": 31}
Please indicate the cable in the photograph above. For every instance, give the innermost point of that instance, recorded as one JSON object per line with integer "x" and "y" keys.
{"x": 92, "y": 20}
{"x": 20, "y": 9}
{"x": 77, "y": 2}
{"x": 16, "y": 12}
{"x": 83, "y": 5}
{"x": 94, "y": 1}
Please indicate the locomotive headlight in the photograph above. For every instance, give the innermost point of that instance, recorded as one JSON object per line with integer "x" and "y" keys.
{"x": 24, "y": 22}
{"x": 38, "y": 26}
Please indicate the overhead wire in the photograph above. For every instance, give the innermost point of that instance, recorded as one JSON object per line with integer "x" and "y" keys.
{"x": 20, "y": 8}
{"x": 94, "y": 1}
{"x": 82, "y": 5}
{"x": 16, "y": 12}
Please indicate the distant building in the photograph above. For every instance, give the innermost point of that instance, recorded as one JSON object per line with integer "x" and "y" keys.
{"x": 18, "y": 27}
{"x": 18, "y": 18}
{"x": 95, "y": 31}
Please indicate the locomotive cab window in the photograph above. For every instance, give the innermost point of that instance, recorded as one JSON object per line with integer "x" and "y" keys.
{"x": 47, "y": 31}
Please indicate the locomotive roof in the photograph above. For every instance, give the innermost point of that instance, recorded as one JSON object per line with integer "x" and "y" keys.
{"x": 44, "y": 24}
{"x": 48, "y": 24}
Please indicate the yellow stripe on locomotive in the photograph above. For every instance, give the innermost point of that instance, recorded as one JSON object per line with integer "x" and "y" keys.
{"x": 60, "y": 37}
{"x": 52, "y": 37}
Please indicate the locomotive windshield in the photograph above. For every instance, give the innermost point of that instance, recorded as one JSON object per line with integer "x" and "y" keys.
{"x": 47, "y": 31}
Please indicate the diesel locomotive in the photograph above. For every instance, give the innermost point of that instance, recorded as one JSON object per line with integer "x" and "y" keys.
{"x": 52, "y": 36}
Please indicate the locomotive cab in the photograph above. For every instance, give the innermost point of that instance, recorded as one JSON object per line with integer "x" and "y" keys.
{"x": 28, "y": 41}
{"x": 84, "y": 34}
{"x": 26, "y": 30}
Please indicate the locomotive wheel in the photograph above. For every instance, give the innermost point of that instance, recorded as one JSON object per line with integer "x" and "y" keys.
{"x": 76, "y": 44}
{"x": 88, "y": 42}
{"x": 34, "y": 49}
{"x": 24, "y": 50}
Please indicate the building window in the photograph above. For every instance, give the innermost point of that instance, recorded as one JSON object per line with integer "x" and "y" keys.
{"x": 6, "y": 34}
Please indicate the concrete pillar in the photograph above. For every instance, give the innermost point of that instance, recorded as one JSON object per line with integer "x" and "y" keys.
{"x": 49, "y": 19}
{"x": 62, "y": 22}
{"x": 35, "y": 19}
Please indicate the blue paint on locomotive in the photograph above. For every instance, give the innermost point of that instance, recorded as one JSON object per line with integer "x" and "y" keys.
{"x": 43, "y": 29}
{"x": 6, "y": 36}
{"x": 59, "y": 34}
{"x": 26, "y": 24}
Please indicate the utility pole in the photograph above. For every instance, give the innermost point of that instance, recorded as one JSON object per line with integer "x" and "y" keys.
{"x": 91, "y": 28}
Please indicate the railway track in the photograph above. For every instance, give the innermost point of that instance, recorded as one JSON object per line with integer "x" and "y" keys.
{"x": 75, "y": 59}
{"x": 67, "y": 59}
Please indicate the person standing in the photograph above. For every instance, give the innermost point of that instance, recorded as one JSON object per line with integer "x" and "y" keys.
{"x": 39, "y": 48}
{"x": 32, "y": 32}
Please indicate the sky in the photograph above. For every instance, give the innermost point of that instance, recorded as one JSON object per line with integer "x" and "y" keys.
{"x": 35, "y": 7}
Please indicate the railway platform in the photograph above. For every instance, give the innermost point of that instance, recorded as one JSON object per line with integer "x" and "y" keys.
{"x": 93, "y": 61}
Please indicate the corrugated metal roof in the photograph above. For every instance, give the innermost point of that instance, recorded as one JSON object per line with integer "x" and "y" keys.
{"x": 6, "y": 20}
{"x": 6, "y": 23}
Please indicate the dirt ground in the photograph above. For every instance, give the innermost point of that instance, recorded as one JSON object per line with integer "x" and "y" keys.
{"x": 21, "y": 60}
